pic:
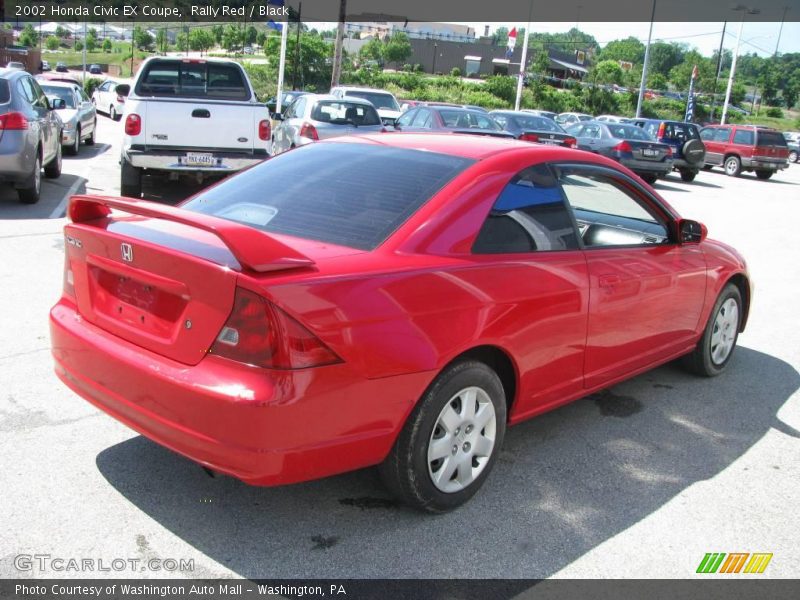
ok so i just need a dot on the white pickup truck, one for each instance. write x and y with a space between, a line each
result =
191 116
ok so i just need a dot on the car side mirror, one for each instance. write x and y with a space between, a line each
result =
691 232
57 103
278 116
123 89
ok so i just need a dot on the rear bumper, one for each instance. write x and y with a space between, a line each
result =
265 427
647 166
683 165
765 164
16 158
174 160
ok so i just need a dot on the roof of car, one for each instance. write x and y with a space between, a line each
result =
468 146
8 73
63 84
353 88
353 100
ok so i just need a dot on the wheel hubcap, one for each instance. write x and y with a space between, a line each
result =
723 336
462 440
731 166
37 176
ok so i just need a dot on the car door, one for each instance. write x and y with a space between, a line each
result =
716 141
281 136
590 137
52 122
646 291
39 113
527 259
85 110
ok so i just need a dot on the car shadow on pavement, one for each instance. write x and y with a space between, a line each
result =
53 191
563 484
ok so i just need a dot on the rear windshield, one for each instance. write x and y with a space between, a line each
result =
378 100
681 131
193 79
4 94
337 193
538 123
627 132
770 138
343 113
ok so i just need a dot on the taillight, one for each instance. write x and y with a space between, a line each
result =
309 131
662 131
264 129
259 333
133 124
13 121
669 151
623 146
570 142
529 137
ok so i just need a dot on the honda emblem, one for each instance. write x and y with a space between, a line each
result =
127 252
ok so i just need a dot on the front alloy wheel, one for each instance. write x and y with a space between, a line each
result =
715 348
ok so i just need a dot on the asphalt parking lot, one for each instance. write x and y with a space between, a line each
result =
639 481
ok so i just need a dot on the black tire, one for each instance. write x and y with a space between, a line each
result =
701 361
76 147
764 174
793 156
31 192
651 179
407 473
733 166
687 175
52 170
90 139
130 180
694 152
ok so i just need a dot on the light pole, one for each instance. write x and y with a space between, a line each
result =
433 66
644 66
719 70
745 11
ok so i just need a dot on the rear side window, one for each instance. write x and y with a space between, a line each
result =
529 215
743 136
338 193
681 132
343 112
193 79
722 134
770 138
5 94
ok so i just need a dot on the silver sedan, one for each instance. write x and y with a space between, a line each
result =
314 117
77 113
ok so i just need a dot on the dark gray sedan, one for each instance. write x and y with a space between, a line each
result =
313 117
447 118
30 135
628 145
533 128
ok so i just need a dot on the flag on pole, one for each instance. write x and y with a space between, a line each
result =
512 41
273 25
689 116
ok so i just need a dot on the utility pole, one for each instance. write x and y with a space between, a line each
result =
522 63
644 66
719 71
83 79
337 53
281 66
733 64
297 46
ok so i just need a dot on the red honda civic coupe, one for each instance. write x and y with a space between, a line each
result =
390 299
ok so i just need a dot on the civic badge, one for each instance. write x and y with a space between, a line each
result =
127 252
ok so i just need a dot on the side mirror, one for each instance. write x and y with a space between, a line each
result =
123 89
691 232
277 116
56 103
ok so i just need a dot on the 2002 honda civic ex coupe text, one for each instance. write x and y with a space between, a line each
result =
322 312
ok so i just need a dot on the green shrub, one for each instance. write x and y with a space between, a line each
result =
91 84
455 72
775 112
502 86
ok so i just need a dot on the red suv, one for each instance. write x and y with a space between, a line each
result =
745 148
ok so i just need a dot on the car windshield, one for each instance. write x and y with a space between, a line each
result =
337 193
64 93
378 99
193 79
628 132
344 113
537 123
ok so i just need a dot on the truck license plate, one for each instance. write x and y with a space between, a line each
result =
200 159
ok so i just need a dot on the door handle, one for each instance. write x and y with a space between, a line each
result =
609 281
201 113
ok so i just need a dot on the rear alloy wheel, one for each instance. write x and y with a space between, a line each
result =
451 440
687 175
31 192
112 112
733 166
76 146
52 170
90 139
761 174
715 348
793 156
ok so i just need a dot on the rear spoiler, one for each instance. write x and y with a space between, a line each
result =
254 249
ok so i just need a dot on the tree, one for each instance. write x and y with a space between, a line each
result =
231 38
607 71
142 38
314 71
218 31
656 81
28 37
201 39
182 41
261 38
372 50
91 40
398 49
107 45
663 57
51 43
738 92
251 35
61 32
78 45
629 50
161 40
500 36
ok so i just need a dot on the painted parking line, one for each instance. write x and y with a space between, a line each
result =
59 210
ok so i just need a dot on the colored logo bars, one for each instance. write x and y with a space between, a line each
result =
713 562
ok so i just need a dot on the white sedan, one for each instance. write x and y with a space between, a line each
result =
108 99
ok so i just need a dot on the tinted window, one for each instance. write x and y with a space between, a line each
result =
337 193
466 119
378 99
680 131
628 132
528 215
537 124
5 95
423 118
707 134
607 213
342 112
722 134
405 119
197 79
744 136
299 107
770 138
